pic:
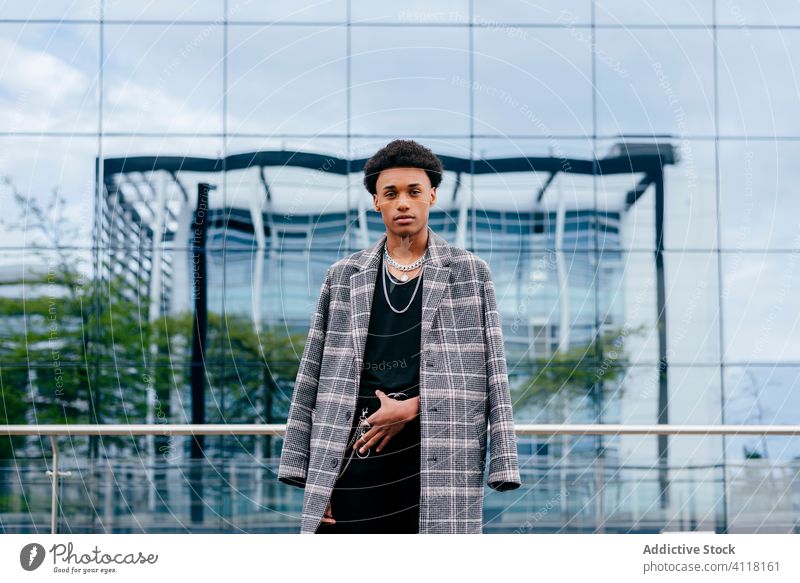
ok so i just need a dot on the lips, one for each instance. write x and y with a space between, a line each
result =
404 218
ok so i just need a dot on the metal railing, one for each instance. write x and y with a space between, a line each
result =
54 431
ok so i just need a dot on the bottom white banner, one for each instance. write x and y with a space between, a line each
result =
526 557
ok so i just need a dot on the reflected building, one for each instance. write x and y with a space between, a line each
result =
277 219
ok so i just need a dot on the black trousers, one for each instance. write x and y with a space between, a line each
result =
379 493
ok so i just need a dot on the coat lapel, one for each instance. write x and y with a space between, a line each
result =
362 288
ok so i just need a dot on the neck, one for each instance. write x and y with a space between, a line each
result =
407 248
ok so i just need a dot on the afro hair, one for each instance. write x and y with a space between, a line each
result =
402 154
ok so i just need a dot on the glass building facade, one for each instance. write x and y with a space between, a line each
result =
626 170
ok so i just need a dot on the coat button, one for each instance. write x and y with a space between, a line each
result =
432 459
429 363
334 463
433 409
347 415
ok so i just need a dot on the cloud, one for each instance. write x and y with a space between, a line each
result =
39 91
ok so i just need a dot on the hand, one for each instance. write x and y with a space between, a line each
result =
327 518
387 421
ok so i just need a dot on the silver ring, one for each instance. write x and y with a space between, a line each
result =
358 450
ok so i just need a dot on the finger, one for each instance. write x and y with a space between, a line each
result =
328 516
366 437
385 440
361 442
372 442
375 418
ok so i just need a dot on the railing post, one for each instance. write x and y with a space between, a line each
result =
108 503
234 490
599 502
54 487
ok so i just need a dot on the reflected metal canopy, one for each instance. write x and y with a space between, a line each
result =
623 157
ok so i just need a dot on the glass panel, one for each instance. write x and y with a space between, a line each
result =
694 399
492 12
49 80
48 187
757 194
762 395
760 307
299 184
692 287
692 307
655 81
169 11
661 13
287 80
287 12
552 98
565 150
52 9
546 299
629 306
404 80
690 198
517 193
161 145
130 317
247 146
413 12
141 173
758 12
635 223
762 471
44 295
753 66
175 85
365 147
289 291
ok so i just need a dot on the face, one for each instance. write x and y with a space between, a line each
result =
404 192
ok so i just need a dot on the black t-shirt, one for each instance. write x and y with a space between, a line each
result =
392 352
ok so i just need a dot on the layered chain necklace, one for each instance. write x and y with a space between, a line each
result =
400 266
404 268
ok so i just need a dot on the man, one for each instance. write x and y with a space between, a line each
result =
403 366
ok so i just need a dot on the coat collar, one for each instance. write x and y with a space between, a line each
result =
362 287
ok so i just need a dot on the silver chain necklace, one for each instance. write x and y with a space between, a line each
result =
413 295
400 266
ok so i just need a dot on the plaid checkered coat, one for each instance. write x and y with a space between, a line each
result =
463 384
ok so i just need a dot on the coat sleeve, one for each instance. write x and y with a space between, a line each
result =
293 464
503 463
